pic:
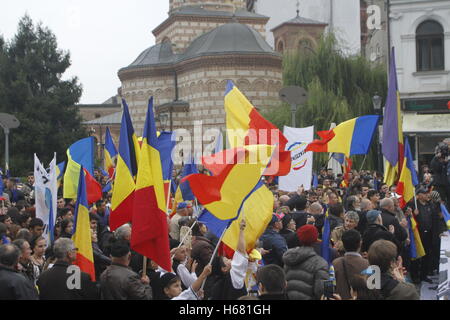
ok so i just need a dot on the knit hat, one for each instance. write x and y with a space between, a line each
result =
372 216
307 234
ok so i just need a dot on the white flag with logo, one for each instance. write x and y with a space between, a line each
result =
301 164
46 191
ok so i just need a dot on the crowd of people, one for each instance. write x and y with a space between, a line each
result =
367 228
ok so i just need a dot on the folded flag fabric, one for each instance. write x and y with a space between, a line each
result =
392 144
110 153
351 137
446 215
416 249
122 201
82 237
60 172
223 195
81 154
408 178
326 237
246 126
257 211
166 144
149 234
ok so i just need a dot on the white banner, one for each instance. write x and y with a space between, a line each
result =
46 193
302 162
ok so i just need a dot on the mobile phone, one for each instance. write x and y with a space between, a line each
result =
328 289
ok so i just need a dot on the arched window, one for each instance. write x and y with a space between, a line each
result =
430 46
280 47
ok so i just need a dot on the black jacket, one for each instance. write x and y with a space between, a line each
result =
273 241
119 282
14 286
52 285
439 172
290 237
389 218
300 218
376 232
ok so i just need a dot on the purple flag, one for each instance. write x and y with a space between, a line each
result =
390 122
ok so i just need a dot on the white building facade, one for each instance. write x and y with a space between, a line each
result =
420 34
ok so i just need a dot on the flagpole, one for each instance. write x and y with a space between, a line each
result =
362 165
168 197
144 267
214 253
185 237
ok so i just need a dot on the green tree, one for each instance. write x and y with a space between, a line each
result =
31 88
339 88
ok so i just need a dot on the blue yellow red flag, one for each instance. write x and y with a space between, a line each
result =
149 234
122 201
408 178
351 137
110 153
82 237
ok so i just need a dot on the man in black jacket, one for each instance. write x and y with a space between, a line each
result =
274 242
376 231
119 282
388 214
439 167
13 285
62 283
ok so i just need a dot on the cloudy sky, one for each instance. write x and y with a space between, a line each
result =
102 36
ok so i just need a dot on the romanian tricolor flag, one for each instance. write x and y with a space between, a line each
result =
408 178
392 144
82 237
149 235
326 237
110 152
166 145
122 201
416 249
445 215
246 126
60 172
223 195
81 154
257 210
347 168
350 137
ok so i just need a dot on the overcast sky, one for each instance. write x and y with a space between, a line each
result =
101 35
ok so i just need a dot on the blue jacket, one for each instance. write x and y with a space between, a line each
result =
276 243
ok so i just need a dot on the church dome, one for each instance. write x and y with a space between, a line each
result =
230 38
159 54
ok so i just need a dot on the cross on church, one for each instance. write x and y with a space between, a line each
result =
298 8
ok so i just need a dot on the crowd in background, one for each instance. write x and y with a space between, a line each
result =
367 227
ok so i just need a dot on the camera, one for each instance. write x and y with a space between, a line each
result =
442 150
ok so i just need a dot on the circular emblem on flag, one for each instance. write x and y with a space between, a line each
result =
297 150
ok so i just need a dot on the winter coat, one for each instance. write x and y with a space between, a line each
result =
390 218
52 285
305 273
354 265
14 286
376 232
392 289
119 282
439 173
273 241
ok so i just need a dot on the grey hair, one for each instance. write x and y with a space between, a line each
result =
386 202
352 215
62 247
9 255
123 231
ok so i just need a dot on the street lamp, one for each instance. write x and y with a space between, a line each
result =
163 119
295 96
7 122
377 101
